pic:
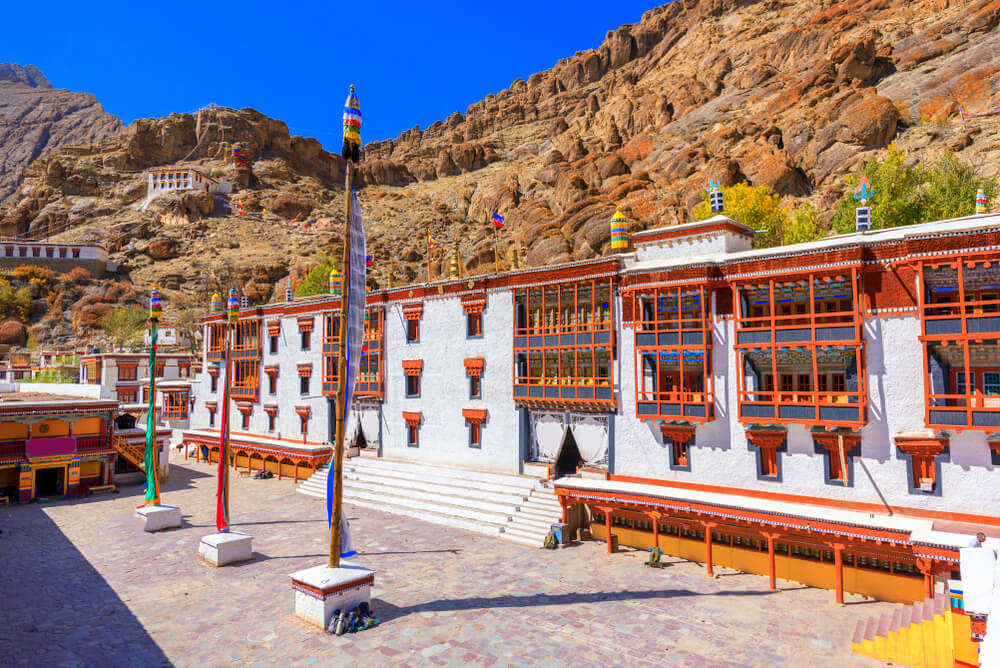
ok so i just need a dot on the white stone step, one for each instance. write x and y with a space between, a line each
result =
426 516
520 540
445 488
536 511
453 477
449 473
486 503
546 508
538 537
494 517
533 523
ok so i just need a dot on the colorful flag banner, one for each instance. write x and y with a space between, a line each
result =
352 128
497 221
356 278
430 239
152 484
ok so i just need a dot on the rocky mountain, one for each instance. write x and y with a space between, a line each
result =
793 94
37 119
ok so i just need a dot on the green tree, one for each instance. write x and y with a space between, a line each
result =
124 324
189 308
897 198
755 206
951 189
317 281
14 303
804 225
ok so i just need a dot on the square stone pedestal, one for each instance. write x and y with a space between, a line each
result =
219 549
160 517
321 590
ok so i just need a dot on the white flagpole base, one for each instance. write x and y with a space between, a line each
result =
220 549
320 591
158 518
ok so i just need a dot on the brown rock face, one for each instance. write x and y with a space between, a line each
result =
37 119
12 333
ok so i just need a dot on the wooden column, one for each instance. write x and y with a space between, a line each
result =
607 527
656 530
708 547
296 473
770 559
926 567
838 565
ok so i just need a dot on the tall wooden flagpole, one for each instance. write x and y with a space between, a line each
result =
338 452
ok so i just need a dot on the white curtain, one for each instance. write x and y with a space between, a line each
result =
591 436
369 425
547 431
351 428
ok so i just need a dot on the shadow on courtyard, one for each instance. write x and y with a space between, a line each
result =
56 608
386 611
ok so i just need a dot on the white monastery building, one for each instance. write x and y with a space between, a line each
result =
827 412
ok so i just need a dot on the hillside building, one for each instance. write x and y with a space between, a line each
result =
822 412
159 181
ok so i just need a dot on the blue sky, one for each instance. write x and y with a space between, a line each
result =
413 63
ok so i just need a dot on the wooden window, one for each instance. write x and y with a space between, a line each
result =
127 373
158 369
215 383
306 339
270 421
412 435
273 344
473 325
303 385
786 382
272 384
211 418
769 462
474 435
76 253
245 423
413 386
412 331
475 387
679 453
837 382
805 382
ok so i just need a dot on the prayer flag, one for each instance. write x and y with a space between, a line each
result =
497 221
368 261
356 275
430 239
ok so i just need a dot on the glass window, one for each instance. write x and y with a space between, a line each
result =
304 385
412 331
991 382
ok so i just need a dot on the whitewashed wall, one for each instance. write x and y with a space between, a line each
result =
444 390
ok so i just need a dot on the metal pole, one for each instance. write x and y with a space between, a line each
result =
338 452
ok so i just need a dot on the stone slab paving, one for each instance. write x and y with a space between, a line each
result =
85 585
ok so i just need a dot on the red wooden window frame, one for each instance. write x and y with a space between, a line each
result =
564 344
371 371
128 372
175 404
246 366
966 323
775 325
669 395
412 420
215 350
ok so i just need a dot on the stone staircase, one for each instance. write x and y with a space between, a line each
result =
517 508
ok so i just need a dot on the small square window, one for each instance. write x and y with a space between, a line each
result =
473 325
413 386
306 339
76 253
991 382
304 385
412 435
412 331
475 388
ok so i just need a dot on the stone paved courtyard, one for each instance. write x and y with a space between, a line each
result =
84 585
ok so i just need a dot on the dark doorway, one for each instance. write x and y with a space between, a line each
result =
360 441
49 482
569 459
125 421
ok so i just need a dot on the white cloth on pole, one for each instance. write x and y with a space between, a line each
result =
356 274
